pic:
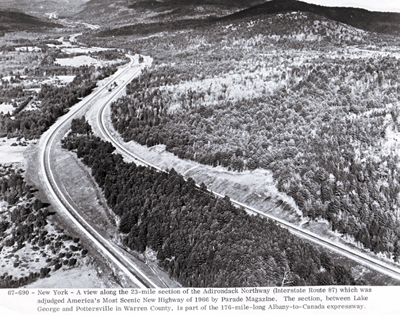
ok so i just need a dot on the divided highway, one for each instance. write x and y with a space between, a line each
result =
355 255
109 250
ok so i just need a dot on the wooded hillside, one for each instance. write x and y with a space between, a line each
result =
293 100
201 240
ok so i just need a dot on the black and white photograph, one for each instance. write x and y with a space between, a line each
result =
214 144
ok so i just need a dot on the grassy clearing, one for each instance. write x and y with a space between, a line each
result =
6 108
12 151
80 61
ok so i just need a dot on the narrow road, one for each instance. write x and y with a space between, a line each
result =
357 256
113 253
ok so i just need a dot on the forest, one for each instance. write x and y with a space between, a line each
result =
200 240
24 224
325 124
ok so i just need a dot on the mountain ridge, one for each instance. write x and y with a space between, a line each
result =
18 21
380 22
44 8
123 12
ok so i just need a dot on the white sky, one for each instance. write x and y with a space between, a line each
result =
372 5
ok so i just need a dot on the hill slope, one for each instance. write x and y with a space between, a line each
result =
380 22
17 21
122 12
163 18
44 8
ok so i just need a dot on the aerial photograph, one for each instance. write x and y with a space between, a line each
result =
199 143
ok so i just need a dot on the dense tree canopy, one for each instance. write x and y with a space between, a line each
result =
200 240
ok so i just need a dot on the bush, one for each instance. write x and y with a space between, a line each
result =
74 248
44 272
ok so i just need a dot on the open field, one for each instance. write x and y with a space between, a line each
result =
11 152
79 61
6 108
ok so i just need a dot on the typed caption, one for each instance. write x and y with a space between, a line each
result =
191 300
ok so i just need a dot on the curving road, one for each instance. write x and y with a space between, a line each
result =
109 250
357 256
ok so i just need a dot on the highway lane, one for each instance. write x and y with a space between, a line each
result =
109 137
109 250
355 255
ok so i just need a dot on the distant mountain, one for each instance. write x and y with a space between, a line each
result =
380 22
44 8
127 12
229 4
17 21
117 13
